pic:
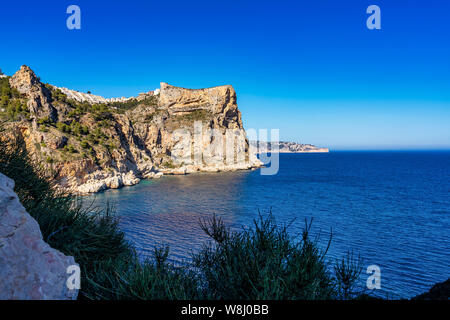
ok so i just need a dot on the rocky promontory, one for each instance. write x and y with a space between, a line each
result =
88 143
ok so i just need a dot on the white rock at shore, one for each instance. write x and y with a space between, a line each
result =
100 181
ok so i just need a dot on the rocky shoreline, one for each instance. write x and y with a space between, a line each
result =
100 182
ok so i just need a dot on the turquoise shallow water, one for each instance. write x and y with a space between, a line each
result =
392 208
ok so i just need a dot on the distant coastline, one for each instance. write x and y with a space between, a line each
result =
286 147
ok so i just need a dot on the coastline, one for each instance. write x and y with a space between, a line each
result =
286 147
326 150
130 179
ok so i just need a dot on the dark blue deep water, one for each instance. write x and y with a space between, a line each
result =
392 208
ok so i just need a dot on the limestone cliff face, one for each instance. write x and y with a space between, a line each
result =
90 147
26 82
220 101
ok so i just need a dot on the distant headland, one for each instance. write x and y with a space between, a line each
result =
286 147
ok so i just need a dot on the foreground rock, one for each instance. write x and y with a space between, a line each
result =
29 267
88 143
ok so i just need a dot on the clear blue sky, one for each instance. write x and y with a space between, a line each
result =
310 68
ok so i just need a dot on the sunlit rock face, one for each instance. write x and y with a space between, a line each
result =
27 83
29 267
89 143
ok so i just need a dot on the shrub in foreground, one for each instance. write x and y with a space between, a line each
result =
265 263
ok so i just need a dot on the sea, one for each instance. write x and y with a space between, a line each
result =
390 208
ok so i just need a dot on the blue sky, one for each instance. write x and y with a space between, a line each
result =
310 68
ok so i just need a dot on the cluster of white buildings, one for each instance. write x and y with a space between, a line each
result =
91 98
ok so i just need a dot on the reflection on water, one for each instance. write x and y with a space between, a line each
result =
168 211
391 208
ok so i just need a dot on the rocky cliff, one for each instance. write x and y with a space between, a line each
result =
89 144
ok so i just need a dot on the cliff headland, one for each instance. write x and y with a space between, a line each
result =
88 143
286 147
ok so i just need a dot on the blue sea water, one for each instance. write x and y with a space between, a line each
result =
391 208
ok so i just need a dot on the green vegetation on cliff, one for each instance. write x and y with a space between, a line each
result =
133 103
88 127
12 106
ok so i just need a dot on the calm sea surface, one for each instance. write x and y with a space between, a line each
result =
392 208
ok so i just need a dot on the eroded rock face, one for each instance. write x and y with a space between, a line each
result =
220 101
119 147
55 142
26 82
29 267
